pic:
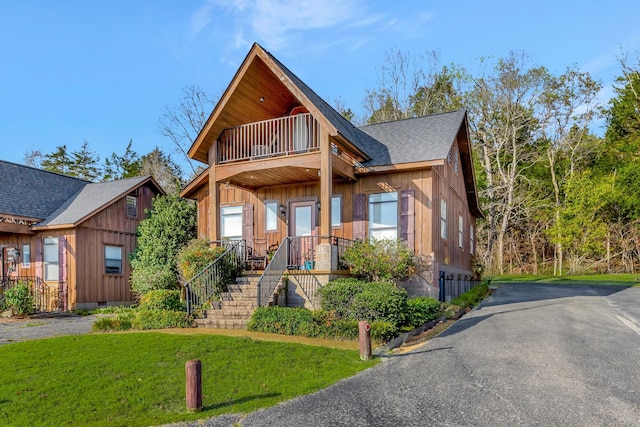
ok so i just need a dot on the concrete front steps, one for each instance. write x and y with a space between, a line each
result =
237 306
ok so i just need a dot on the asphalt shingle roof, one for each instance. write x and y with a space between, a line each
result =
401 141
34 193
53 198
412 140
92 197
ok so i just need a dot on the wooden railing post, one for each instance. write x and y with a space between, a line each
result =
194 385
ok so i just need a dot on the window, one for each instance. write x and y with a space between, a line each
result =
443 218
460 231
231 222
271 216
113 259
383 216
132 207
471 239
336 211
51 263
26 255
456 162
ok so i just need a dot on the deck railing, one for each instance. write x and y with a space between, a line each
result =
269 138
46 297
206 286
272 274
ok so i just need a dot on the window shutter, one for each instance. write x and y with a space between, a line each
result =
359 217
247 224
62 271
38 250
407 217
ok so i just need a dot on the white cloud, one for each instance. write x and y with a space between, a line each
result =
276 23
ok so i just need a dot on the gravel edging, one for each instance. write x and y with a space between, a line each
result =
38 327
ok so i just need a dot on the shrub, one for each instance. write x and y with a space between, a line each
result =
161 319
19 299
279 320
120 322
314 324
380 260
162 299
153 277
422 310
337 296
380 301
195 256
472 297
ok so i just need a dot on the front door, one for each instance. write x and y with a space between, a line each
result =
302 230
9 262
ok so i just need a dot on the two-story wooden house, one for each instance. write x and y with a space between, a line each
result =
284 166
70 239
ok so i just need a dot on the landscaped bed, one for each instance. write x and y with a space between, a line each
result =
138 379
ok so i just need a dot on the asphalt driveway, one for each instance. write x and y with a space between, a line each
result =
544 355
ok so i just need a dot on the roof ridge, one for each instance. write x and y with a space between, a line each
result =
413 118
45 171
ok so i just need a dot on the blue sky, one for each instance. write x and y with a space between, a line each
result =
102 71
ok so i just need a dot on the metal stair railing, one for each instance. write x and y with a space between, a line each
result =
273 273
209 283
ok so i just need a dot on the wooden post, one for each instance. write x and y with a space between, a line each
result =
364 336
194 385
326 186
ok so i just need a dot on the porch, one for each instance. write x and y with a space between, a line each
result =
246 277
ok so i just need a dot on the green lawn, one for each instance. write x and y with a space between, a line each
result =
138 379
593 279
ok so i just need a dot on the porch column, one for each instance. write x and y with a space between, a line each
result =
326 190
214 194
324 252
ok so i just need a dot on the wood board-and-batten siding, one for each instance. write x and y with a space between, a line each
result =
441 181
87 282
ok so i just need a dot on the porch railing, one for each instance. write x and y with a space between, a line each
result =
206 286
269 138
46 298
272 274
296 253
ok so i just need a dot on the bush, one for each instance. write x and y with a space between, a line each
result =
279 320
195 256
380 301
161 319
19 299
120 322
380 260
337 296
153 277
422 310
162 299
472 297
314 324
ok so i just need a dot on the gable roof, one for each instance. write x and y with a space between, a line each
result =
413 140
33 193
90 199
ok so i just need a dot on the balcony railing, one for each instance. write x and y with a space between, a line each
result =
270 138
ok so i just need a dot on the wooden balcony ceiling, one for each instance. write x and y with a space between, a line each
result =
241 104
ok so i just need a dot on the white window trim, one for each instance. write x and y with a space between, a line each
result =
460 231
222 215
47 263
339 198
105 260
266 215
131 209
26 256
471 240
443 218
371 228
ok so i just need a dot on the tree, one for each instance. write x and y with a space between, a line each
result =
58 161
502 122
127 165
182 123
170 225
413 87
163 169
85 163
33 158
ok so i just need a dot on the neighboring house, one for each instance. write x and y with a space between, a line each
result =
68 238
284 166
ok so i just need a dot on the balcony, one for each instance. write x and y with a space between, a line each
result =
283 136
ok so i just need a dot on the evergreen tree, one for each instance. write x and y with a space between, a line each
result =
58 161
85 163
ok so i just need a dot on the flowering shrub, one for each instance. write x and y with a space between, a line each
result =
384 260
195 256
